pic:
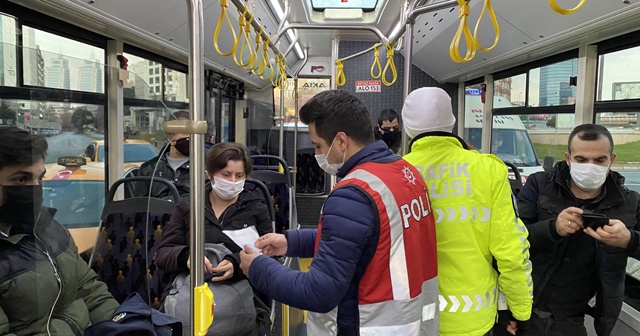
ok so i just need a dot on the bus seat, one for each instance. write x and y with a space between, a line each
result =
252 184
309 176
129 234
516 182
280 187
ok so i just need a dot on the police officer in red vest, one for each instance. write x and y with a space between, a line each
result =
374 253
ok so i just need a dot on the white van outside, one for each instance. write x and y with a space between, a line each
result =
509 141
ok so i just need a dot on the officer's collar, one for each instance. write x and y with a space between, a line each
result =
439 134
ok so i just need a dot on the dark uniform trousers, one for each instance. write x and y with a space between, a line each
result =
543 324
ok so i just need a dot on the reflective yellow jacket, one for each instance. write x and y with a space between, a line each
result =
475 223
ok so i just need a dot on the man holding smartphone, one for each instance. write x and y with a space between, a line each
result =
579 268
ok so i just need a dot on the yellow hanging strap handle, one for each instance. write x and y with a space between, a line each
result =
260 67
340 78
252 51
280 80
256 51
488 8
564 11
268 64
224 15
390 65
376 62
238 43
283 79
275 77
264 59
244 40
463 29
251 63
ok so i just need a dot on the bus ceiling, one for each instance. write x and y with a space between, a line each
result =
530 30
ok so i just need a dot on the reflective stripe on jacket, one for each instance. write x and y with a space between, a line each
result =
397 293
476 223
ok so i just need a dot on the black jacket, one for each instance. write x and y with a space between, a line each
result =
179 178
544 196
393 144
249 209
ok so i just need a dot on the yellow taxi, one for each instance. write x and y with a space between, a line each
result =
135 151
75 188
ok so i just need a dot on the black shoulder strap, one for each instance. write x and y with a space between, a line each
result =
263 315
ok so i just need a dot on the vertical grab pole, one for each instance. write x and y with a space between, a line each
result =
296 111
335 53
487 115
281 118
196 167
406 85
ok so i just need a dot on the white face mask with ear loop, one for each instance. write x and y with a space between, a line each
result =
588 176
227 189
331 169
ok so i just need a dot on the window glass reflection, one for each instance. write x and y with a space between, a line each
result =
550 85
8 60
512 89
141 80
618 77
175 85
57 62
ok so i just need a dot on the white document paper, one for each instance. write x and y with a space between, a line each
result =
246 236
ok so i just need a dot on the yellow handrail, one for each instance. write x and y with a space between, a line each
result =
564 11
488 8
376 62
463 29
224 15
340 78
390 65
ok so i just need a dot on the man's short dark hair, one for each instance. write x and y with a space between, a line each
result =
590 132
19 147
336 111
387 115
181 114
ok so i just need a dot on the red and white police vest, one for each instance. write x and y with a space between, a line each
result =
398 292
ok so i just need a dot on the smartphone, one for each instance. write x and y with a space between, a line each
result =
594 220
209 276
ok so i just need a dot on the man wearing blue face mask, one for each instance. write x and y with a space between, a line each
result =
579 270
45 287
374 252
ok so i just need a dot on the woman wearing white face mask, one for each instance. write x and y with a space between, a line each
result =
231 214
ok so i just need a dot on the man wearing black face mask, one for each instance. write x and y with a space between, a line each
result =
171 164
45 287
388 130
